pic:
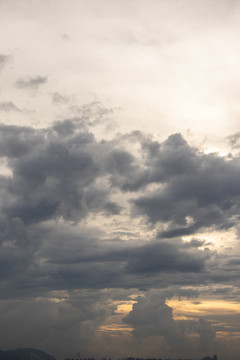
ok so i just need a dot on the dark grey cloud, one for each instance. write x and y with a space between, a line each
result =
17 141
64 173
31 82
166 257
64 259
123 169
53 173
197 191
85 262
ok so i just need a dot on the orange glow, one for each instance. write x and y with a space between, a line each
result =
186 308
115 327
124 308
115 324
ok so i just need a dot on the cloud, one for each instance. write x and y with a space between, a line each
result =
93 113
193 186
52 173
8 106
151 316
234 140
90 221
66 37
77 265
17 141
59 99
4 59
71 216
123 169
31 82
63 173
165 257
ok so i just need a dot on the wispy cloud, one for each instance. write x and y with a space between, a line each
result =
4 59
8 106
31 82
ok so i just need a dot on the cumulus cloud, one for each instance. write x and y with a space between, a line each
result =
196 186
52 173
64 173
151 316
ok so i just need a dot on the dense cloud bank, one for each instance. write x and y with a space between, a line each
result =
64 193
64 171
63 174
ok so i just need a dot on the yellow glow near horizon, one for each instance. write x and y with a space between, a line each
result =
115 327
186 308
183 309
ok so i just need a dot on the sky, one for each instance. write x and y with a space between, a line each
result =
119 177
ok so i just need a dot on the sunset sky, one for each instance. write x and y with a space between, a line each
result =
120 177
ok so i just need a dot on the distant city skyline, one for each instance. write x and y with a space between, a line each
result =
36 354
